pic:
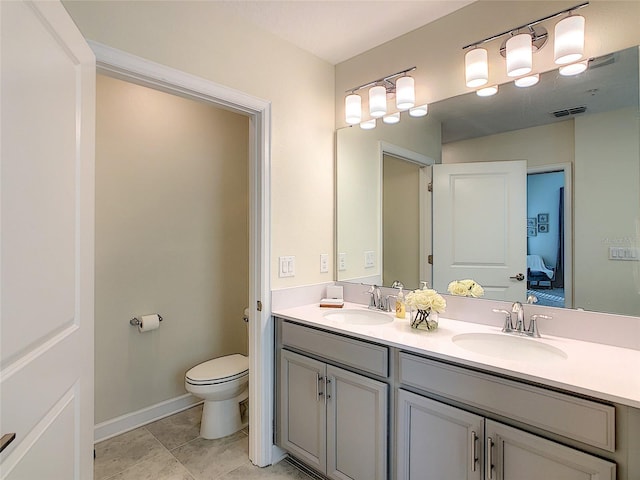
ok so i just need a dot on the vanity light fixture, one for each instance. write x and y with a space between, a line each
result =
487 91
525 40
573 68
519 55
569 40
405 93
527 81
368 125
377 101
353 109
392 118
419 111
398 85
476 67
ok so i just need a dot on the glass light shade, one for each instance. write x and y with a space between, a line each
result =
569 40
527 81
353 109
369 124
377 101
419 111
391 119
487 91
519 55
476 67
573 68
405 93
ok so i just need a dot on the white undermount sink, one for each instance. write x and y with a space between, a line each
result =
359 317
508 347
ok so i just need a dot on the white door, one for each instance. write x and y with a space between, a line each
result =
46 256
479 226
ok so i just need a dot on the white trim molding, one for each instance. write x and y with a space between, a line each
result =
133 420
138 70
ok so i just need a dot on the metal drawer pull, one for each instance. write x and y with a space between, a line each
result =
474 451
319 393
518 276
489 469
6 439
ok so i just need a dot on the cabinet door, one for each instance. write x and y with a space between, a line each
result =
302 408
436 441
356 426
516 455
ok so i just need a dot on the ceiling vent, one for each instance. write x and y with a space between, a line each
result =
569 111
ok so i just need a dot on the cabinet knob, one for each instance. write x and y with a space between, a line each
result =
519 277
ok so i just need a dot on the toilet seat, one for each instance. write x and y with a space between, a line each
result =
219 370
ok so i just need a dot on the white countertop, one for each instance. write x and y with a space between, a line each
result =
599 371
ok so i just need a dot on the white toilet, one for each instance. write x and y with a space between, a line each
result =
223 383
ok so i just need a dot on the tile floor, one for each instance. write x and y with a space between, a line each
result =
170 449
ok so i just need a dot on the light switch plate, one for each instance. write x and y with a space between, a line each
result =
369 259
324 262
342 262
287 266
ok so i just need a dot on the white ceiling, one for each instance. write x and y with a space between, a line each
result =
336 30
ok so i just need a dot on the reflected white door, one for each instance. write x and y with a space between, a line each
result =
47 194
479 226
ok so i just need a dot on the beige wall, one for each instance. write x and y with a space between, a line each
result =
358 183
436 48
606 198
196 37
171 238
543 145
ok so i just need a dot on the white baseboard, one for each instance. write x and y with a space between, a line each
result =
130 421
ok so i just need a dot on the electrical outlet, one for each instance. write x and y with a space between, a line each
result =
342 262
324 262
369 259
287 266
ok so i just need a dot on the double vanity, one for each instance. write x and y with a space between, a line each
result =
361 395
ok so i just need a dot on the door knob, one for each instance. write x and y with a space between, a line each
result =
6 439
518 277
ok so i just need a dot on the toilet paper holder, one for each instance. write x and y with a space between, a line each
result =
135 321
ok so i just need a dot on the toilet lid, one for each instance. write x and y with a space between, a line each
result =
221 369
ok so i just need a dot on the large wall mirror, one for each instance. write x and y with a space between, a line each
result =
579 138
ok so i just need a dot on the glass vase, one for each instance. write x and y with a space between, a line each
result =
424 320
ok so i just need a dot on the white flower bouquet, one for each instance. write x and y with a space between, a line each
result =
426 299
465 288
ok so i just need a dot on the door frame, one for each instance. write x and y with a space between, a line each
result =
568 224
386 148
134 69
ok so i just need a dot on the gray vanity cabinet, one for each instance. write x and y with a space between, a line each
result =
512 454
332 419
437 441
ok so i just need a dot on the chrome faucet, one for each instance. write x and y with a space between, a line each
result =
519 329
376 300
519 311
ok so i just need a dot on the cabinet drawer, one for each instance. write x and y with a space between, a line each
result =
364 356
583 420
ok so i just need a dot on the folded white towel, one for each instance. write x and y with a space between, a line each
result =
536 264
